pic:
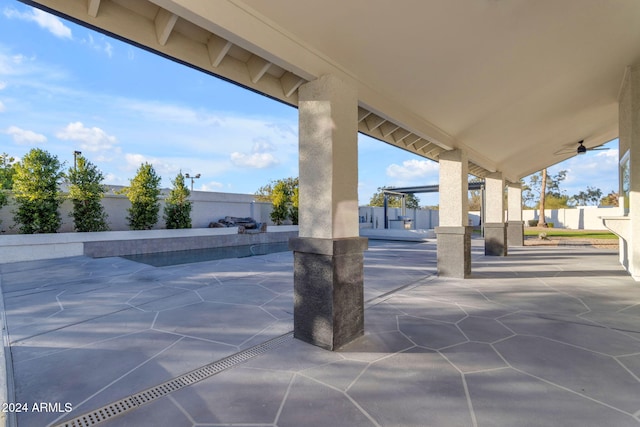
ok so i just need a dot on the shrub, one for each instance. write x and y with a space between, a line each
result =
177 209
280 198
143 194
85 192
35 190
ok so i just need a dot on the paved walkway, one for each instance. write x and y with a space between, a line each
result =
549 336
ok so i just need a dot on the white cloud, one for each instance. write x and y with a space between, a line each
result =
22 136
171 113
45 20
101 45
2 107
254 160
162 167
91 139
262 146
3 85
212 186
412 169
11 64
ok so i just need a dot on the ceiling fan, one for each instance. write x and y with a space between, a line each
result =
568 149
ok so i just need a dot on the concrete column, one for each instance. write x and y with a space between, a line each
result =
629 137
515 224
454 234
495 231
328 254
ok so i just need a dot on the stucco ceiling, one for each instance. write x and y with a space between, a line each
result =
511 81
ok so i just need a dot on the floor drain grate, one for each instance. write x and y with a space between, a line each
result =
131 402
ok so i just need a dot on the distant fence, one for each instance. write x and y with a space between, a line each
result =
580 218
211 206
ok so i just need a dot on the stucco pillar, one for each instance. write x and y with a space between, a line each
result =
629 137
328 254
515 224
495 230
454 233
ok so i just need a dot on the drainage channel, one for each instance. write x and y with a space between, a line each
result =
136 400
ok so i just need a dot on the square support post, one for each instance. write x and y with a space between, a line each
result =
515 224
328 254
453 234
629 152
495 231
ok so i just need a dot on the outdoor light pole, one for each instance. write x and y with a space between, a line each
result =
76 153
192 178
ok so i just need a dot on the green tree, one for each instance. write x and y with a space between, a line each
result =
553 202
475 200
284 196
611 199
143 193
295 203
541 188
281 200
177 209
35 190
6 178
85 192
412 202
586 198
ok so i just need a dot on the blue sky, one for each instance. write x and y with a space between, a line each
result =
64 87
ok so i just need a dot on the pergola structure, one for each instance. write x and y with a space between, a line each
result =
492 88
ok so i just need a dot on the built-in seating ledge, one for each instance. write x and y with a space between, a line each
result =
619 225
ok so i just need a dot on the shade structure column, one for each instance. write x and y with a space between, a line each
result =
515 224
495 230
328 254
628 228
454 233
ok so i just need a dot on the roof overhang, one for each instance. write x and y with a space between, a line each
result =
511 82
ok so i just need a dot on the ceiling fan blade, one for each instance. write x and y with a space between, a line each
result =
598 149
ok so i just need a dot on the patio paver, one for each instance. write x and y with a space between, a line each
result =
545 336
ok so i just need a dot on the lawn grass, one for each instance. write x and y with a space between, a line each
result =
578 234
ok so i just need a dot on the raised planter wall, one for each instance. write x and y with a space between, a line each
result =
16 248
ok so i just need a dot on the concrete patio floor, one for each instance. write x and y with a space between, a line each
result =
548 336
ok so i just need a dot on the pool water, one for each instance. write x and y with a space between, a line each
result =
164 259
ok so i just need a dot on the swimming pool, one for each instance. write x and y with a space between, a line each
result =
165 259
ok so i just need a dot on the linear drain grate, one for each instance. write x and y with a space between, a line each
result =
131 402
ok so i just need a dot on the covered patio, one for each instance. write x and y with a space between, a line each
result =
462 332
546 336
495 89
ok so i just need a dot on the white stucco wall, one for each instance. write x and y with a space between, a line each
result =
207 207
582 218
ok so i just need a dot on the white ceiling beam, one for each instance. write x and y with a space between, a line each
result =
257 67
363 114
421 144
164 23
218 48
290 83
387 128
92 7
410 140
400 134
374 122
433 151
